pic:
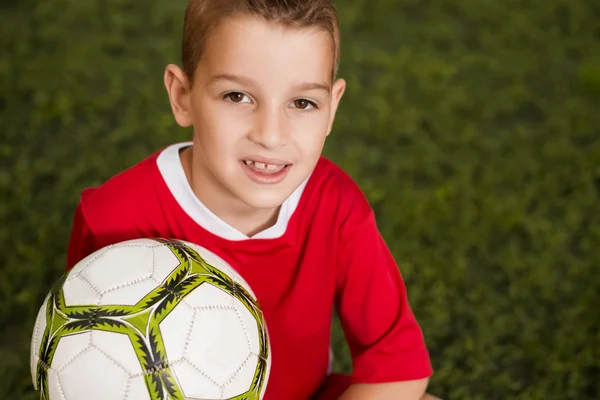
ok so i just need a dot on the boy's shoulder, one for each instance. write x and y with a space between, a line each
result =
333 177
338 189
129 193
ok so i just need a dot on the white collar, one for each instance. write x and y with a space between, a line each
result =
169 165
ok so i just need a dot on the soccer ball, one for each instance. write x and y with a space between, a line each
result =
150 319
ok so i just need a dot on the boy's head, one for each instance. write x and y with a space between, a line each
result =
258 86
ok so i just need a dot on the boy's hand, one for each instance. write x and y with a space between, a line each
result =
409 390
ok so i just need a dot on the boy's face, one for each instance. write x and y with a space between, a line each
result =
262 104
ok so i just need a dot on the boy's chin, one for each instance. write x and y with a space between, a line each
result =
266 200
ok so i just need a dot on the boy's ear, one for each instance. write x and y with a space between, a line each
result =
337 91
178 89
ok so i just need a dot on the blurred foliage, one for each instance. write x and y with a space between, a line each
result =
471 125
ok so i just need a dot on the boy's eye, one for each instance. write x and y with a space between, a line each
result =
304 104
237 97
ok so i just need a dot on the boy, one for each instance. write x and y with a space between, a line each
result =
258 87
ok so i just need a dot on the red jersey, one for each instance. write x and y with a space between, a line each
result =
330 253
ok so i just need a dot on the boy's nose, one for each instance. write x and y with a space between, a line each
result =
270 129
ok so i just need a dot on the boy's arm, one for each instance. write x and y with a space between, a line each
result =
387 346
408 390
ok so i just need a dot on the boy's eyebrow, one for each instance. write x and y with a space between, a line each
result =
315 86
249 82
233 78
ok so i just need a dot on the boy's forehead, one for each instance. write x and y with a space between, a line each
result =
264 50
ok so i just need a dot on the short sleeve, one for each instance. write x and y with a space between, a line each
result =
385 340
82 241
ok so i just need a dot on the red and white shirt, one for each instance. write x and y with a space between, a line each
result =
324 250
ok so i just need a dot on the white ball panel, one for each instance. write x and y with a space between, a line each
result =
93 376
120 265
250 326
79 292
195 384
207 295
175 330
85 262
242 380
128 295
137 390
218 345
119 348
36 340
54 389
69 347
165 262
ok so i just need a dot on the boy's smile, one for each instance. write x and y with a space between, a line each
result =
266 170
261 103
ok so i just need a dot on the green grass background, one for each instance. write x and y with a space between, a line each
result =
473 127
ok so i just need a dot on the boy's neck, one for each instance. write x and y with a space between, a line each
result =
240 216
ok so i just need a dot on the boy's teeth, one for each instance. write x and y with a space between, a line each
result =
260 165
263 166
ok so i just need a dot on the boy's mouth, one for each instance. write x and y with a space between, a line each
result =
265 168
